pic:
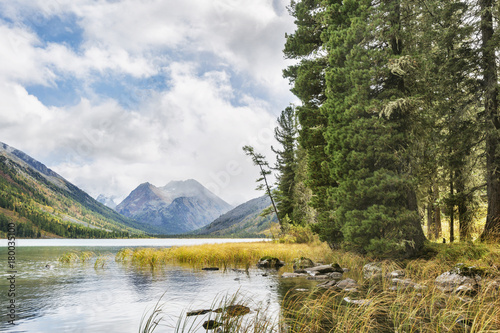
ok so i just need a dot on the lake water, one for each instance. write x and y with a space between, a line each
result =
81 298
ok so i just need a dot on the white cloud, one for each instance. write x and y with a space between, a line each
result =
193 128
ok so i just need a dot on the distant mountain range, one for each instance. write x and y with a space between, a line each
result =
176 208
46 205
242 221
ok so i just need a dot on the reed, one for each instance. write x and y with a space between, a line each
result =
72 257
425 310
223 255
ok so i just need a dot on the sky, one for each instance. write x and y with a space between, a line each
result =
112 94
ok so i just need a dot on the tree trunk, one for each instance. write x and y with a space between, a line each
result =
492 227
451 207
437 213
464 215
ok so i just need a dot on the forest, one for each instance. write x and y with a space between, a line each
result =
397 129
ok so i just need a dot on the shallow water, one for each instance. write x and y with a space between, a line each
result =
81 298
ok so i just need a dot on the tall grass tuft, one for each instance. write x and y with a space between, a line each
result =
73 257
424 310
257 320
223 255
149 322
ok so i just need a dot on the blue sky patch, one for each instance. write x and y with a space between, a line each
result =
65 93
56 29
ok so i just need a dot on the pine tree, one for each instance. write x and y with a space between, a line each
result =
286 162
260 161
308 80
368 132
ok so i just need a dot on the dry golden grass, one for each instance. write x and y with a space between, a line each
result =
224 255
410 311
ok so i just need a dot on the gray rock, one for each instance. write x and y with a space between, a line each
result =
347 285
293 275
301 263
466 290
318 277
372 271
396 274
358 302
334 276
403 284
450 281
327 284
323 269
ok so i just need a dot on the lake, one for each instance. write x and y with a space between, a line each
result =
81 298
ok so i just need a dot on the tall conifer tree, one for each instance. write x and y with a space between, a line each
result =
368 132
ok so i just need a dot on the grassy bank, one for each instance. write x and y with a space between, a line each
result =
384 310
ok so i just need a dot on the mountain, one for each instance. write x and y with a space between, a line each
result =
46 205
106 201
176 208
242 221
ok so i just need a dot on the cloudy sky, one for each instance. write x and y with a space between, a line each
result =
111 94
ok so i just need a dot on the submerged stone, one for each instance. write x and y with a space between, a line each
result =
197 312
211 324
234 310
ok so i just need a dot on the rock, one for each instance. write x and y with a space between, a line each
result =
372 271
403 283
323 269
302 262
197 312
345 270
318 277
211 324
347 285
328 284
210 269
469 271
270 262
334 276
466 290
458 276
234 310
336 268
396 274
293 275
358 302
493 285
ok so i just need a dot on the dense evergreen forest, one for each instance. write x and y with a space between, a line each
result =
398 125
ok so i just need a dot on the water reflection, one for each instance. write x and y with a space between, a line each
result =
81 298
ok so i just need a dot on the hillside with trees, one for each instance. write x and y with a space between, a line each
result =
43 204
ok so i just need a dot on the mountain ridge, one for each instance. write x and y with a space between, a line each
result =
242 221
176 208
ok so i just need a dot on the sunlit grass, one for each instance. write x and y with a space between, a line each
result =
224 255
324 310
